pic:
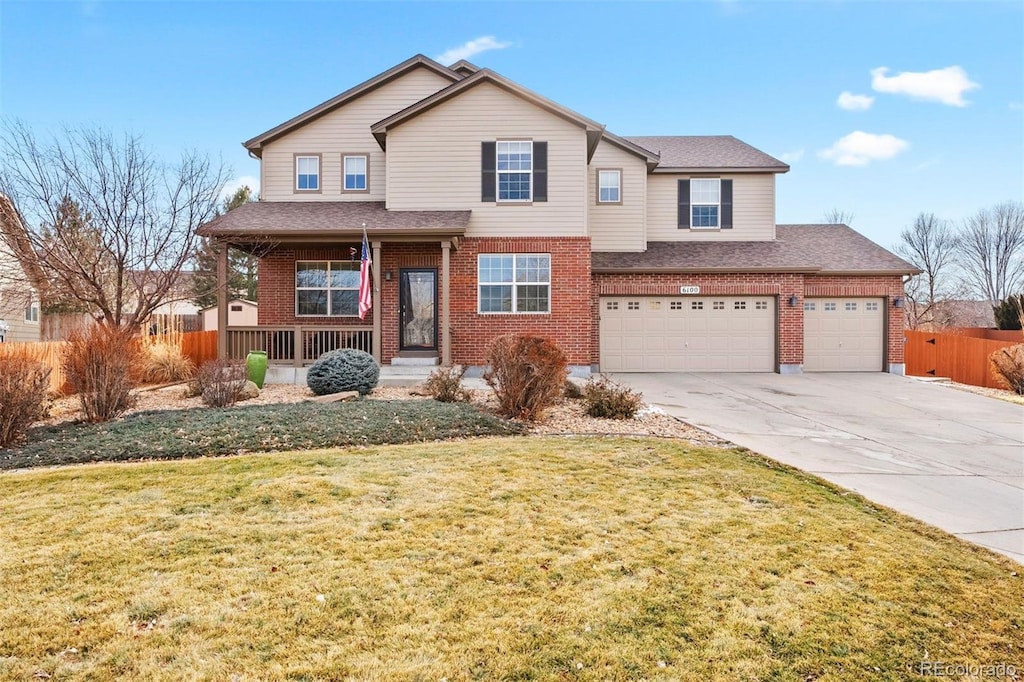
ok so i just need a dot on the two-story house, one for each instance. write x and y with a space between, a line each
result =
492 209
19 301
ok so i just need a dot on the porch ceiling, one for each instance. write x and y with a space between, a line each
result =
278 221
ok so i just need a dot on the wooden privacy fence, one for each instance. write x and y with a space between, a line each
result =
199 346
960 357
49 353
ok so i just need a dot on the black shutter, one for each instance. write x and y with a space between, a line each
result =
540 171
488 174
684 204
726 204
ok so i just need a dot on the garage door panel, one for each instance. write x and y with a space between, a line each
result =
843 334
708 333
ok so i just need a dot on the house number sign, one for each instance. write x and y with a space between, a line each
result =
689 290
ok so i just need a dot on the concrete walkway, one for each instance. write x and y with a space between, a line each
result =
945 456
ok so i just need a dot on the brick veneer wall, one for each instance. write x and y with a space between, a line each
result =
569 322
782 285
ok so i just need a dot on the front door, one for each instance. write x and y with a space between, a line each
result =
417 313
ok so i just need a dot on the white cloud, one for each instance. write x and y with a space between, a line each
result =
860 148
1016 106
852 102
473 47
233 185
791 157
946 85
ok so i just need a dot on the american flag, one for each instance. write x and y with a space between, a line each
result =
365 290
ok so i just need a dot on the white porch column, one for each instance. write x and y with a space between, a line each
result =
377 301
446 332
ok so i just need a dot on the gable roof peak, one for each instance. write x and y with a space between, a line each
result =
255 145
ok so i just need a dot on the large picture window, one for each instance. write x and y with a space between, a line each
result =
515 171
327 288
705 200
514 283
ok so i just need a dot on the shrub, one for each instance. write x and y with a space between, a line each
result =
24 395
1009 313
527 374
1008 367
99 363
572 390
346 369
445 385
163 363
220 381
606 399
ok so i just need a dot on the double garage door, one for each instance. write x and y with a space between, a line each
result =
687 334
736 334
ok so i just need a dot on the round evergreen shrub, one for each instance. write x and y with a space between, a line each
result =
343 370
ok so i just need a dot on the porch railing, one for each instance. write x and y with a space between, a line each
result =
296 345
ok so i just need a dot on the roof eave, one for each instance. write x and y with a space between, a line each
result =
332 234
702 270
255 144
721 169
885 272
649 157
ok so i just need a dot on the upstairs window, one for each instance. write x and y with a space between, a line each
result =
32 312
609 187
307 173
705 202
356 169
515 171
514 283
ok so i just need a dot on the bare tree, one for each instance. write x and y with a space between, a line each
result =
101 221
835 216
930 244
991 246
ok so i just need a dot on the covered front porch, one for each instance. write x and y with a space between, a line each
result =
309 255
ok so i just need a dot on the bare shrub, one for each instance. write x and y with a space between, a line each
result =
24 395
572 390
445 385
220 381
606 399
100 364
1008 367
527 374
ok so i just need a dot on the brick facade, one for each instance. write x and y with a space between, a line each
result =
575 294
781 285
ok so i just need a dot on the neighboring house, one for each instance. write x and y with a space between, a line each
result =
241 313
492 209
19 303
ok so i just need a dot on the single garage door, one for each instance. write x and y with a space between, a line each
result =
843 334
687 334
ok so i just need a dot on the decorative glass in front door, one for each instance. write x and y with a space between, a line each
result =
418 309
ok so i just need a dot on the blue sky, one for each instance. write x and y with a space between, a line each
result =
932 118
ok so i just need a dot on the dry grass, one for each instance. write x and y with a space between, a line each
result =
544 558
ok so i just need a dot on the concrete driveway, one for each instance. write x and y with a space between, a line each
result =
947 457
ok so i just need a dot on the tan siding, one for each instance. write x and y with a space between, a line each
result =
343 130
12 310
617 227
753 199
434 163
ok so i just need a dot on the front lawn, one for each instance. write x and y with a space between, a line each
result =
540 558
201 432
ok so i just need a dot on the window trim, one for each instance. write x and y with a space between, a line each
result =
355 155
319 173
497 173
328 288
618 172
32 312
717 204
515 285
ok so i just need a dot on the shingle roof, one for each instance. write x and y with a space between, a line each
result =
327 218
797 248
706 151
